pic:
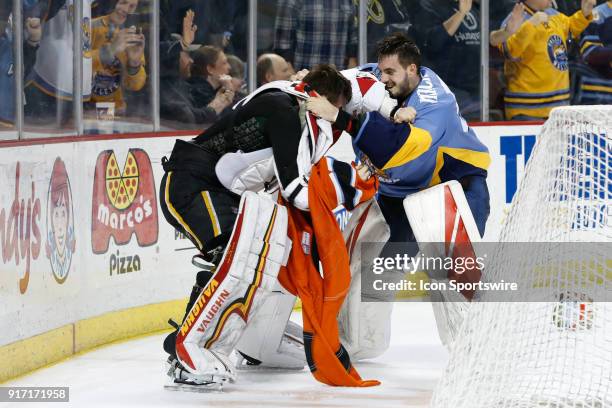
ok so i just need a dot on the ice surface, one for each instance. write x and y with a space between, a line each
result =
131 374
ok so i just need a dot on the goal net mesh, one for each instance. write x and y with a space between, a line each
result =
556 351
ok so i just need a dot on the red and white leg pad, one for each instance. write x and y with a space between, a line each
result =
246 275
444 226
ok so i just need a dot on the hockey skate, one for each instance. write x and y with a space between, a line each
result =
180 379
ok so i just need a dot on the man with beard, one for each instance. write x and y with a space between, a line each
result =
426 143
429 143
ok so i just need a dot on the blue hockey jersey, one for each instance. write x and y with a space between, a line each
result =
438 147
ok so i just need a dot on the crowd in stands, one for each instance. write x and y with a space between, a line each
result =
543 53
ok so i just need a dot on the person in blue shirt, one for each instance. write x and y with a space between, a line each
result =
32 33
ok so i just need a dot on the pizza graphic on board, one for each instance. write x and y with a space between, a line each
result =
121 186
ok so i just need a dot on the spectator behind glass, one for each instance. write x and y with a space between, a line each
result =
595 85
178 109
7 72
120 49
210 82
449 32
312 32
387 17
237 72
272 67
49 87
222 23
32 36
533 41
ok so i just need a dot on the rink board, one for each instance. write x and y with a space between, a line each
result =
77 250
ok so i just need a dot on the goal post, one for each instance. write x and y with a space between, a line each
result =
554 353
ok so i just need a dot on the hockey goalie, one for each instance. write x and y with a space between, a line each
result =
258 254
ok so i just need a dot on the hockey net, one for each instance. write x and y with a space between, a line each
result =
550 353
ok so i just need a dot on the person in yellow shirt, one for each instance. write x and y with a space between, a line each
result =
533 40
120 48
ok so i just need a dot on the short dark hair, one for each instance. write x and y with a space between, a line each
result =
401 45
328 81
264 65
203 57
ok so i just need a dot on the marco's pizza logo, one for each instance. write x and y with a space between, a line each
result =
124 201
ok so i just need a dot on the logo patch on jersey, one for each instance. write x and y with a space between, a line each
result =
306 242
342 216
469 21
106 84
11 70
557 52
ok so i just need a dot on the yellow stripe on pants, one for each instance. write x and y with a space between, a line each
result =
211 213
175 214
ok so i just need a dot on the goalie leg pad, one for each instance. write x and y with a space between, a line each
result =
444 225
246 275
365 327
270 337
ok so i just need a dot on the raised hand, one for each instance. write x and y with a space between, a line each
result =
125 38
34 30
189 29
516 18
465 6
587 7
135 48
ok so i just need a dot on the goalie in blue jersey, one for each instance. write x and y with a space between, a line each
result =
425 143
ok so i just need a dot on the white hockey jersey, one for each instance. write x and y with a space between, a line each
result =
53 70
240 172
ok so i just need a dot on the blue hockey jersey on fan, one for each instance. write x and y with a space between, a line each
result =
7 79
438 147
596 50
7 69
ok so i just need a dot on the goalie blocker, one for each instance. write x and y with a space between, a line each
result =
246 276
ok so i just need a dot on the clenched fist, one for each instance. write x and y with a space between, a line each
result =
363 171
405 115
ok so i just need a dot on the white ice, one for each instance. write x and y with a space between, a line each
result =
131 374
